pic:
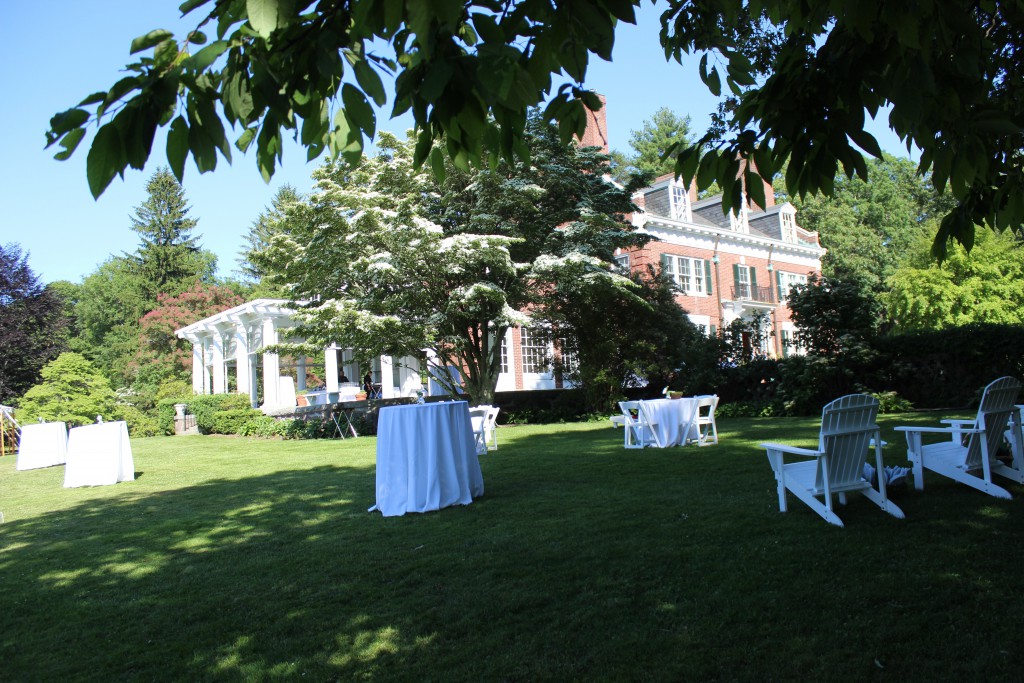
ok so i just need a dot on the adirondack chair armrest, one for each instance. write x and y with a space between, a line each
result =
938 430
959 424
792 450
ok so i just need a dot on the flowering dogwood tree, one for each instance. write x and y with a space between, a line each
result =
390 260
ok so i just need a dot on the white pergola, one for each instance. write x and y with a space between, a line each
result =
235 339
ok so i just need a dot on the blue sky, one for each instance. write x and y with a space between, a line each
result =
55 52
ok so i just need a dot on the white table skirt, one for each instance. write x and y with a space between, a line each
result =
426 458
673 419
99 455
42 445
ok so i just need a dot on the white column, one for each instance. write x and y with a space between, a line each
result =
198 367
387 380
271 366
242 359
300 373
219 385
409 376
331 367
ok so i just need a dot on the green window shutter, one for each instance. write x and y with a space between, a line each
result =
707 276
736 276
753 280
778 279
666 264
713 332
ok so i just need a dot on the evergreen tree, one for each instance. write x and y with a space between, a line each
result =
170 259
269 223
658 133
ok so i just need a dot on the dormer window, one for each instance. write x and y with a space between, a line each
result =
738 222
679 202
787 224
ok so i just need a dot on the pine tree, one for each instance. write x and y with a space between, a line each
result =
170 259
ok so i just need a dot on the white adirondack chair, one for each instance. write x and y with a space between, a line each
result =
639 432
969 456
707 430
837 466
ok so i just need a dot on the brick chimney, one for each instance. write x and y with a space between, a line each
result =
596 134
769 191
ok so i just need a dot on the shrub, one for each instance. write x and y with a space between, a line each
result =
891 402
206 408
140 423
165 415
263 426
228 421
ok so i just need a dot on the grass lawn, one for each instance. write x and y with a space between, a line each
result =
237 559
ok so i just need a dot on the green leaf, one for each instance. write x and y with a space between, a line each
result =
424 143
105 159
267 15
437 164
190 5
152 38
370 82
177 146
714 83
358 109
245 139
69 142
201 60
867 142
197 38
65 121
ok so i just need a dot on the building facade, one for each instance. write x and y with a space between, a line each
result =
726 267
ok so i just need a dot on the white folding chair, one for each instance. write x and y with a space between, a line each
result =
491 428
478 419
640 431
707 430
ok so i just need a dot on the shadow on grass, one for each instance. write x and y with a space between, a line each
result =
582 561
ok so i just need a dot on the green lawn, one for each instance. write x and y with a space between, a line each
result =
236 559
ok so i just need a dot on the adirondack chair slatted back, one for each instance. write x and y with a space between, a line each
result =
847 427
997 402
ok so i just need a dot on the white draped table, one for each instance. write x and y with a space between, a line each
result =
673 419
99 455
426 458
42 445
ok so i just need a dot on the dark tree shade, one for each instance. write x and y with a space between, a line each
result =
31 321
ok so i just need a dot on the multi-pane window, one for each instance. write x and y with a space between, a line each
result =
504 355
535 350
679 202
622 261
743 282
689 274
788 225
787 280
570 361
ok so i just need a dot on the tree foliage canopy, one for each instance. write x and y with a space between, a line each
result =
983 286
396 261
31 323
806 78
72 390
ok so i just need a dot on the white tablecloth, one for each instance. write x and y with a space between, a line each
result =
42 445
426 458
98 455
319 398
673 419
